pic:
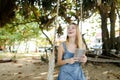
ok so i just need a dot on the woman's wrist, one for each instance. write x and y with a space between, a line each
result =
66 61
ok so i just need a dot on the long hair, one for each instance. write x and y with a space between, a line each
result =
78 40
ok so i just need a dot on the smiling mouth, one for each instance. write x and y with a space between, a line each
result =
70 32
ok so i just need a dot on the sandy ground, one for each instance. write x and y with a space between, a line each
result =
33 69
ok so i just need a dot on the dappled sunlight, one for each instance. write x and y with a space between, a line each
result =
44 73
6 55
29 68
55 75
39 77
19 64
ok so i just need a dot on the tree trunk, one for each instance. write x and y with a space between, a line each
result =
103 9
117 39
112 27
105 36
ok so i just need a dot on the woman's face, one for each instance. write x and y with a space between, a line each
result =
71 30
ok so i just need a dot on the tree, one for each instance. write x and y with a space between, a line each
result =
18 30
107 10
44 13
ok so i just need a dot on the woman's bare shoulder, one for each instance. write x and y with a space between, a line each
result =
60 47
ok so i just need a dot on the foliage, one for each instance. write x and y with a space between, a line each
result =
42 13
45 10
7 11
18 30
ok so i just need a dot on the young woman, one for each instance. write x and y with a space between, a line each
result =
69 64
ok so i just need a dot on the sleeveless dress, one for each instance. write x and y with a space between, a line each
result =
70 71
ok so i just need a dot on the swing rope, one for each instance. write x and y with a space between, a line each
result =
80 23
52 56
81 15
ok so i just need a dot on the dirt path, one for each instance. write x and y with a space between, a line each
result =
32 69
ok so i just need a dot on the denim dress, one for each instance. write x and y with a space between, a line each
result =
70 71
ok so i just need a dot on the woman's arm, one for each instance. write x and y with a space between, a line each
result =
60 54
83 58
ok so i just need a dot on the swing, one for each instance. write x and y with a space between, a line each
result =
52 56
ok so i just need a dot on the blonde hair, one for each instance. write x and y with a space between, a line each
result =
78 40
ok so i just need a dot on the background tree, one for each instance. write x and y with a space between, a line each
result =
44 12
107 10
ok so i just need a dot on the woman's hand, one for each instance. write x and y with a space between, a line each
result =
71 60
83 58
